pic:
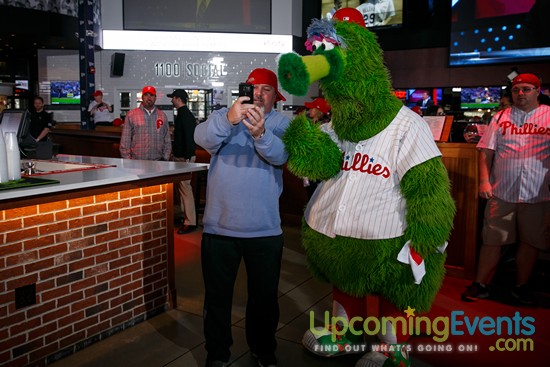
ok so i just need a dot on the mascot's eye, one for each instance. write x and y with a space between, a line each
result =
328 45
316 44
323 45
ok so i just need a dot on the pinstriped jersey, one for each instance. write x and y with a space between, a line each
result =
521 165
364 199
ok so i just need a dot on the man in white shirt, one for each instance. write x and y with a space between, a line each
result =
513 176
100 110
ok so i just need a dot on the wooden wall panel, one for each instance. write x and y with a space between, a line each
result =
461 162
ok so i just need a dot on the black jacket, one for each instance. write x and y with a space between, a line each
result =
184 130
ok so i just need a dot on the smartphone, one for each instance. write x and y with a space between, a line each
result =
246 90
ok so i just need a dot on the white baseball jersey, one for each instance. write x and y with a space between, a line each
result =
521 164
364 199
375 12
102 114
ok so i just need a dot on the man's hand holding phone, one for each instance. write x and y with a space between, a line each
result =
255 122
238 111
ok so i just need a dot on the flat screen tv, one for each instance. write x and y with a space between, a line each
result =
376 13
415 95
480 97
22 84
234 16
485 32
65 92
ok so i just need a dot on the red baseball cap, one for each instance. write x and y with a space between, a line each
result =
319 103
149 89
350 15
98 93
527 78
265 76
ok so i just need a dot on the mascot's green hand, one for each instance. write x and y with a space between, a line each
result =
311 152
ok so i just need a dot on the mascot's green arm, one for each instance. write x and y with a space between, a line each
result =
311 152
430 207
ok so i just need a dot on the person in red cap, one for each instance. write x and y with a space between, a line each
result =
319 110
100 110
319 113
513 176
241 218
145 133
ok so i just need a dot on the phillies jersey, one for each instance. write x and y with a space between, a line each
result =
521 144
364 199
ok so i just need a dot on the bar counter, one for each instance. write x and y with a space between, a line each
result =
118 171
86 257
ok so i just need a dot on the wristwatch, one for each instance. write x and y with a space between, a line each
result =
261 135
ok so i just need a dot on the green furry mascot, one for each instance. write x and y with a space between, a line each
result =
379 221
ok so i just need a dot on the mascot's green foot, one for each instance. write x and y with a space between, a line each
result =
321 343
397 355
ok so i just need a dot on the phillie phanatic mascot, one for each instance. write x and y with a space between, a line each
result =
379 221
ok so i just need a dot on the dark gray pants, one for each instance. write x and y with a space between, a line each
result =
221 257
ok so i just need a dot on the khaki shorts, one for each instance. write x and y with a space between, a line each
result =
507 223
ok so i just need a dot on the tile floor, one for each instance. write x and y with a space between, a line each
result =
175 338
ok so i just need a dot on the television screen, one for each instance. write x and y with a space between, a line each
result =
480 97
22 84
237 16
415 95
376 13
65 92
498 31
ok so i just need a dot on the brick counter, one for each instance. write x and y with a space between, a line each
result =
78 265
98 265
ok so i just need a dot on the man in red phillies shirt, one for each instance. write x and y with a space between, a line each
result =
145 133
514 158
